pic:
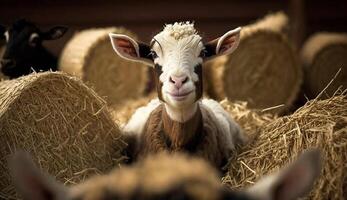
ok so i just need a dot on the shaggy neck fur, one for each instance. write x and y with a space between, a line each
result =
181 114
182 132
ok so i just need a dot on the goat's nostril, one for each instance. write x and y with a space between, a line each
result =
178 81
171 80
185 80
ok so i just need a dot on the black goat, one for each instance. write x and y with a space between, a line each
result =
24 51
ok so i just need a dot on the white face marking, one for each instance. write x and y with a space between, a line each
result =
7 36
178 55
32 37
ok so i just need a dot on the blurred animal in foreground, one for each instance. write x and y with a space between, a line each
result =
24 51
166 176
179 120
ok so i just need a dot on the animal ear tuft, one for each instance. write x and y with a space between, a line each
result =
228 42
223 45
54 33
125 46
129 49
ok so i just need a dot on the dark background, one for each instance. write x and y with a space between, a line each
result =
145 18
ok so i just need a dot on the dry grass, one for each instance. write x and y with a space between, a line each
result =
320 123
61 122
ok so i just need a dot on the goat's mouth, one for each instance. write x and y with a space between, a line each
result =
177 96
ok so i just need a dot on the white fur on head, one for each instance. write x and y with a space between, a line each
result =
177 53
178 48
32 38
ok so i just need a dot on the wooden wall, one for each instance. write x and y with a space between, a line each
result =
146 17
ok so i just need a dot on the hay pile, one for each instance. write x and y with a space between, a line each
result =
89 55
264 69
61 122
320 123
323 55
121 113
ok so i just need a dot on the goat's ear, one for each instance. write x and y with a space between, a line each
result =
292 182
129 49
54 33
31 184
223 45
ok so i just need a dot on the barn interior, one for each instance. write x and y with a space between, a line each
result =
285 85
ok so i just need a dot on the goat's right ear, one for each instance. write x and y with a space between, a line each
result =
31 184
129 49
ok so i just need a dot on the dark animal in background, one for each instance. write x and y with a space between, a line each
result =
24 52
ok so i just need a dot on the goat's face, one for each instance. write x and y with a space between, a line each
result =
177 54
23 43
166 177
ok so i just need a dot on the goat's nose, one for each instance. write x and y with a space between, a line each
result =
178 81
6 62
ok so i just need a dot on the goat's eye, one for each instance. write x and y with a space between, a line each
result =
153 54
202 53
33 39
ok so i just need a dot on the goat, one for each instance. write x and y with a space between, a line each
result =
166 177
179 120
24 51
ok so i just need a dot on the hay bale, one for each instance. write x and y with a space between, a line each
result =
61 122
262 71
323 55
321 124
89 55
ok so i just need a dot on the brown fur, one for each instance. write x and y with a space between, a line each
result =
198 84
164 176
155 177
199 136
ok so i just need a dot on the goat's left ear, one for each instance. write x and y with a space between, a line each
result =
54 33
223 45
129 49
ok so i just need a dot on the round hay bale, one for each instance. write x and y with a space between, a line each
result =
323 55
89 55
319 124
264 69
61 122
